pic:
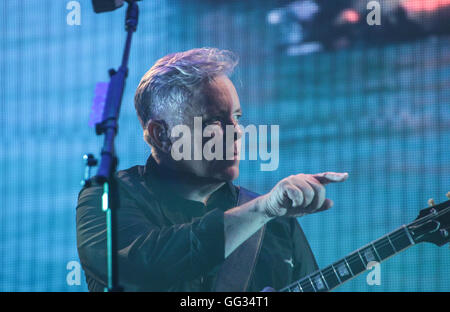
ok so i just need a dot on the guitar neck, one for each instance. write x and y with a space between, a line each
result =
354 264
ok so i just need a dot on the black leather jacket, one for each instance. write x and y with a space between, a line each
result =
168 243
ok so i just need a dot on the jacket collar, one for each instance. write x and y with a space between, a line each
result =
177 208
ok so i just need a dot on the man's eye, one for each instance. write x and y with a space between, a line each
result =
237 117
213 121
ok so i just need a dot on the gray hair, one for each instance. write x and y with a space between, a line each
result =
174 80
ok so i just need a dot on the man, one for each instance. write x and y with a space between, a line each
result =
179 220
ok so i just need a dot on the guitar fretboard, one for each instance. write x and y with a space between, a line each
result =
355 263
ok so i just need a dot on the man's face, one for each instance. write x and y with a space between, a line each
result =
218 106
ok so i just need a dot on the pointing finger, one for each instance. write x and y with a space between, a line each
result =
330 177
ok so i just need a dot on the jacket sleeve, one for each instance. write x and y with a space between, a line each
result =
305 262
149 256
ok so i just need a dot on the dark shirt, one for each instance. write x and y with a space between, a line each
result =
168 243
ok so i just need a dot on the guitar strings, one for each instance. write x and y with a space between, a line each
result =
354 257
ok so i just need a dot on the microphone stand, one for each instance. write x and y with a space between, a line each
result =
108 162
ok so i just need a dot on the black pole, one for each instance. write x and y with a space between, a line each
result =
108 162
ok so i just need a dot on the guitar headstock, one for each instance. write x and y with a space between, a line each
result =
433 223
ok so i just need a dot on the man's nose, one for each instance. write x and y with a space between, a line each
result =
238 132
236 129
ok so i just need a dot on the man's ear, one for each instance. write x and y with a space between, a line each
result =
158 136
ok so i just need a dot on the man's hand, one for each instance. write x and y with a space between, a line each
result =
300 194
293 196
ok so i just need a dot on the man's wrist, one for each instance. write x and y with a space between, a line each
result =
263 208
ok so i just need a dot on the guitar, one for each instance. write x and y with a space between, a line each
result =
432 225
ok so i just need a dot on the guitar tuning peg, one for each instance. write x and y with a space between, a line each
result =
448 195
431 202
